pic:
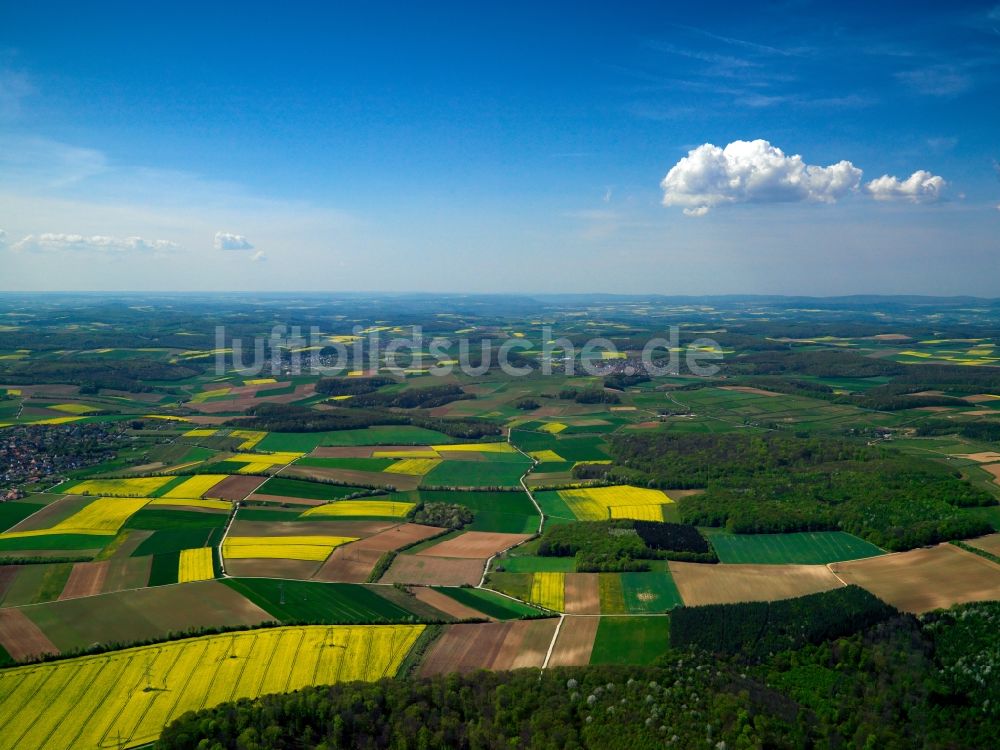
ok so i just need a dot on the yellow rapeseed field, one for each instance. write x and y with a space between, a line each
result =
548 590
477 447
270 459
553 427
250 438
195 565
73 408
546 455
254 468
195 487
599 503
199 432
418 466
189 502
363 508
102 517
125 698
637 512
259 381
130 487
315 548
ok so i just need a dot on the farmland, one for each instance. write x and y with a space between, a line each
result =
222 501
132 694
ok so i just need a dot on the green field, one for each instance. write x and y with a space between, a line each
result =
174 540
353 464
649 592
630 640
13 512
489 603
331 603
537 564
282 487
807 547
476 474
304 442
503 512
158 518
55 542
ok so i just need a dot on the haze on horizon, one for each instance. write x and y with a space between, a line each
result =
797 149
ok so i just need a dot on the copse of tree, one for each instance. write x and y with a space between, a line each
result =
126 374
444 515
589 396
624 544
413 398
527 404
350 386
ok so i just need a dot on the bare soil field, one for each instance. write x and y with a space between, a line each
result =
993 469
582 594
981 398
252 567
235 487
127 573
53 513
21 637
353 563
924 579
990 543
575 642
984 458
446 604
244 401
358 529
474 544
439 571
86 579
747 389
466 647
725 584
283 499
129 616
401 482
7 575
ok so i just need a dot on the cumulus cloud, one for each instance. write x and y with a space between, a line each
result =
919 187
97 242
229 241
3 238
258 256
752 172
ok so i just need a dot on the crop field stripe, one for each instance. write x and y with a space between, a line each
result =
819 547
196 565
549 590
362 509
105 694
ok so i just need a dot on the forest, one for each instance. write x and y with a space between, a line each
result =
778 483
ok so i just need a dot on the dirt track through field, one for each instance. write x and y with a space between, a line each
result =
86 579
473 544
575 642
924 579
725 584
21 637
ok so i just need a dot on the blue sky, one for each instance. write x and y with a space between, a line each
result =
502 148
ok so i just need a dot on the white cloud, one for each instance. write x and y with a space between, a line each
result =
228 241
258 256
97 242
920 187
752 172
3 238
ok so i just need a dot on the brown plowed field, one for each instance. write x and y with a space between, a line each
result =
582 594
21 637
434 571
401 482
467 647
989 543
252 567
358 529
575 642
446 604
234 487
725 584
86 579
127 573
7 575
353 563
924 579
477 544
